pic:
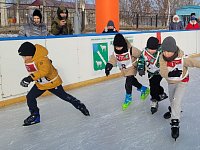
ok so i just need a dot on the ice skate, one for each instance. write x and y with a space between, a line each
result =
167 115
163 96
154 106
144 92
32 119
83 109
127 101
175 128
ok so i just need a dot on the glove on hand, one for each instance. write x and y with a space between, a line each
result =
141 72
108 68
26 81
175 73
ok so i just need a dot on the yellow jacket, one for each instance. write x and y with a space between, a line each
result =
42 71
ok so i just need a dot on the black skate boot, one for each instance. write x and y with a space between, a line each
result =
154 106
175 128
83 109
167 115
32 119
163 96
80 106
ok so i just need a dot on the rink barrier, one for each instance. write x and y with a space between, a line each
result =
66 88
75 57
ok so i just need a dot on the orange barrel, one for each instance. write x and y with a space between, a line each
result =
106 10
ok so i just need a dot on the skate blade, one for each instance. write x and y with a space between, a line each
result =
175 138
87 114
25 124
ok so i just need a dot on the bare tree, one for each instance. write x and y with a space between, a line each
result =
17 12
44 11
4 18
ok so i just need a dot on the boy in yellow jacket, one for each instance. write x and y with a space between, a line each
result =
46 77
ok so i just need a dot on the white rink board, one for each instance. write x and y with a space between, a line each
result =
140 40
73 56
186 41
63 53
12 67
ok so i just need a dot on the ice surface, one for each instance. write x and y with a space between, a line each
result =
108 128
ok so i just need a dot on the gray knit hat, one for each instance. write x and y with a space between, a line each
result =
169 44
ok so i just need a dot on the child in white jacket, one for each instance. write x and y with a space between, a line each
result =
174 68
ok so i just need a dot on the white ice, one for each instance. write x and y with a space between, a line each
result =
108 128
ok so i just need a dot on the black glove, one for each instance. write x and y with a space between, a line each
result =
108 68
26 81
141 72
175 73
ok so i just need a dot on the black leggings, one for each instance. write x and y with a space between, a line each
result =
155 88
131 81
58 91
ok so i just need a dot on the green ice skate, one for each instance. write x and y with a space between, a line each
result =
127 101
144 92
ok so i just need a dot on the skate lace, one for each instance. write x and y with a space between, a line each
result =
143 90
128 98
31 118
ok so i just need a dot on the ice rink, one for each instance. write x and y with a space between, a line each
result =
63 127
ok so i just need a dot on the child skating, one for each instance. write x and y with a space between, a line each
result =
149 60
46 77
125 56
174 68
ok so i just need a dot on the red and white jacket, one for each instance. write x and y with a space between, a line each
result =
182 63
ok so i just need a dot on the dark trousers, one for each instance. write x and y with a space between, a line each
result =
58 91
155 88
131 81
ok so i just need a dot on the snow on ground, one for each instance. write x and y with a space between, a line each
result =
108 128
8 35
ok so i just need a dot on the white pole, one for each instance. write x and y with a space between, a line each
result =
76 21
17 12
44 12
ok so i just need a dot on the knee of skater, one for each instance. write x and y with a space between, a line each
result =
28 96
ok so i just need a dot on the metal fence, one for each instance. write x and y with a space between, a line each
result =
144 20
127 20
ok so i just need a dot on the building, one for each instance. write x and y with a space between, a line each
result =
185 12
